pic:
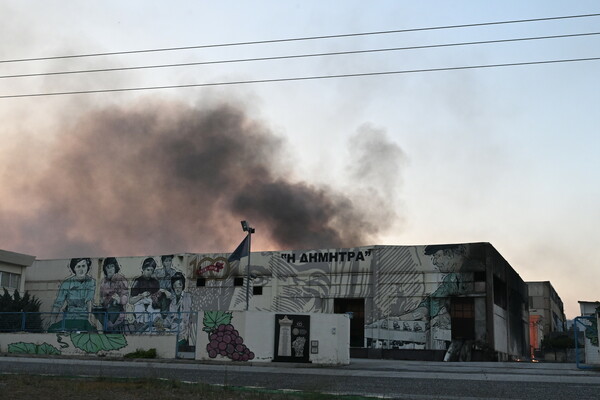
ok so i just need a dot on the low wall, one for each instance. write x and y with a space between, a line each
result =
216 336
398 354
273 337
85 344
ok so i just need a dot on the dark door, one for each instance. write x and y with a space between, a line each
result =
462 311
357 322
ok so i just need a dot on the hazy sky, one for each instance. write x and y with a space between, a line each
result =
502 155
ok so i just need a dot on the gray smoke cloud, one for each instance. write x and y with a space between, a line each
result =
164 177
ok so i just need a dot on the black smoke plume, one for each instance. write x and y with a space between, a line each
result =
166 177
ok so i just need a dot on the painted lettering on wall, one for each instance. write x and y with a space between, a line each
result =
327 257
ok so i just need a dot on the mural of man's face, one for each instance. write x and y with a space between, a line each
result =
80 268
167 262
446 260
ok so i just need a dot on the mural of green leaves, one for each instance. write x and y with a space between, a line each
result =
95 342
212 319
32 348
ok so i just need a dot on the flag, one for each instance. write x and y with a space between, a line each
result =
240 251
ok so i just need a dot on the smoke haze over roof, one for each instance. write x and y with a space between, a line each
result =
162 177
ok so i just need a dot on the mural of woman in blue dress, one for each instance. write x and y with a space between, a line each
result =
74 299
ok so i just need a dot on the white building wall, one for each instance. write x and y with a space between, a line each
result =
330 333
500 330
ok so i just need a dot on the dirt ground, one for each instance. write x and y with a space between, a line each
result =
27 387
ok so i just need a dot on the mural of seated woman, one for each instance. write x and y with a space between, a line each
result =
74 299
146 296
114 295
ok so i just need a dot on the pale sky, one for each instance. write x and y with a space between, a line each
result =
503 155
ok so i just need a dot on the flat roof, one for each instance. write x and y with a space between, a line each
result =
10 257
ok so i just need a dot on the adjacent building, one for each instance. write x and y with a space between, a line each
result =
546 313
409 301
12 270
588 322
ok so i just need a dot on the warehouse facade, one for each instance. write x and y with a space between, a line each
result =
409 300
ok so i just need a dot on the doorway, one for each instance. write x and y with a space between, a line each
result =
462 312
357 321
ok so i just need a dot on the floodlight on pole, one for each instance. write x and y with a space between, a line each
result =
247 228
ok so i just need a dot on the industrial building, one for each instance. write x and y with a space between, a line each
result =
546 313
411 302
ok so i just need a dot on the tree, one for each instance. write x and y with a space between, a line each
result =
12 309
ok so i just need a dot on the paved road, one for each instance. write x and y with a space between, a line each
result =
382 378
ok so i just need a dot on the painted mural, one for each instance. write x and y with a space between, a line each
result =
417 314
74 299
224 339
292 336
114 296
87 342
401 297
152 301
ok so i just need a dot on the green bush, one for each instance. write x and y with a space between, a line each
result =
141 353
558 342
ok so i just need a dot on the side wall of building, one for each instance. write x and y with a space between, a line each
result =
545 302
510 310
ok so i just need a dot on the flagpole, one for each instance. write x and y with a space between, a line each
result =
247 228
248 268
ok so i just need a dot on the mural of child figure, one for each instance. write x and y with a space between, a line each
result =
179 308
114 295
165 271
74 298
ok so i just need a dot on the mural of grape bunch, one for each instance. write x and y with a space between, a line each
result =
224 339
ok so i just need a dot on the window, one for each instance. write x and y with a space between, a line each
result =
238 281
10 280
500 298
4 279
200 282
463 308
15 280
257 290
479 276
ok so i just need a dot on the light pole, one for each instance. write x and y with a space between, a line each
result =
247 228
